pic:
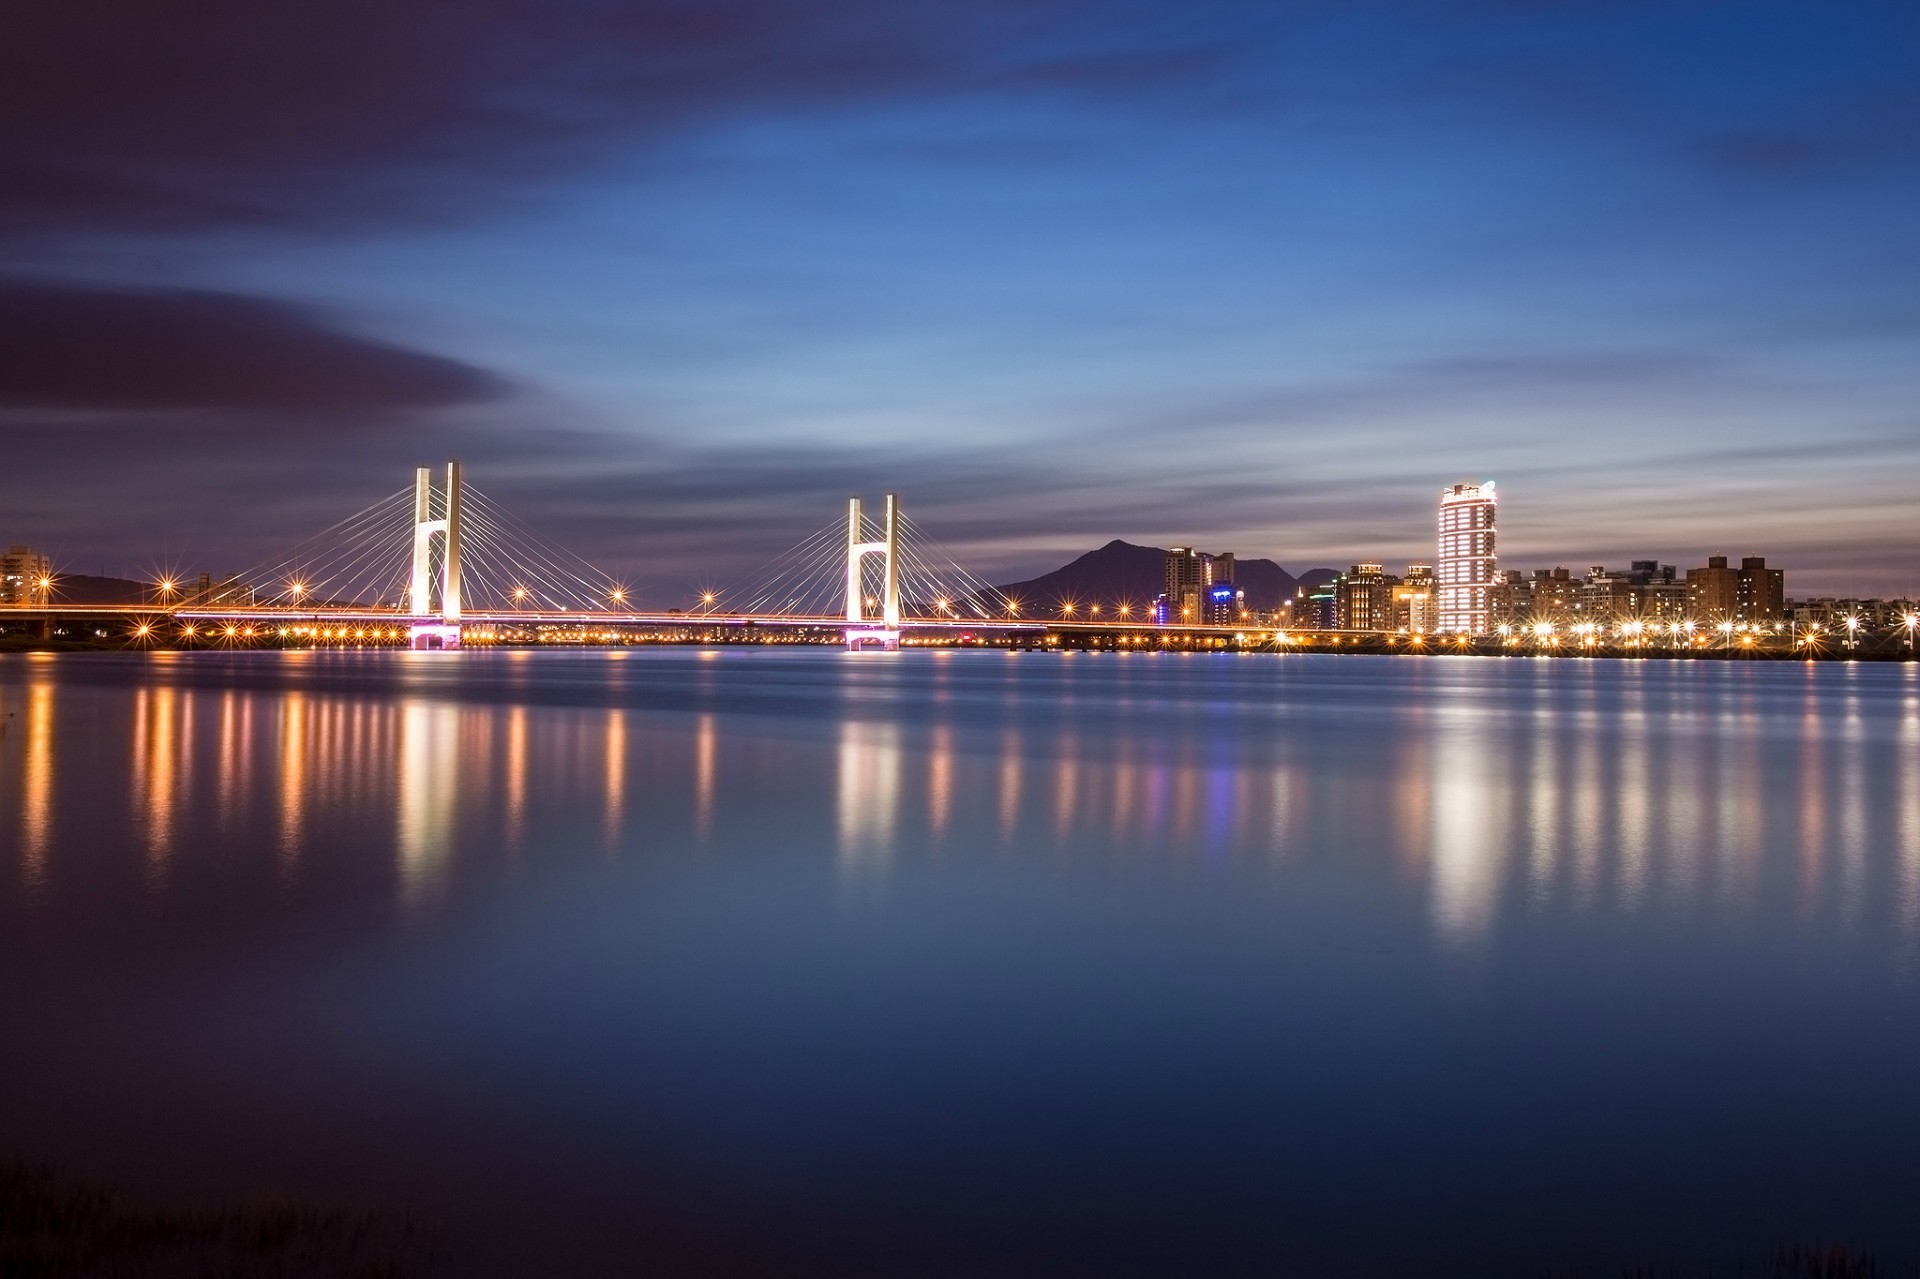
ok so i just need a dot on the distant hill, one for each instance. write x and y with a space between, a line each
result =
1122 572
80 588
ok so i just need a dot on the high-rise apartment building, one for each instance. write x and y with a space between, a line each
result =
1226 605
1712 592
1468 559
1528 599
1760 593
1363 598
1751 593
1413 602
22 569
1645 591
1190 575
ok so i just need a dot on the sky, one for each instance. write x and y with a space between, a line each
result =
673 279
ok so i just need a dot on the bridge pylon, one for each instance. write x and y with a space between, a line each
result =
435 628
862 631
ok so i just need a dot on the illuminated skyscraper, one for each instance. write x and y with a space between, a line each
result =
1468 562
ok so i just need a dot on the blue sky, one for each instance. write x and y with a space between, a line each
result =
676 279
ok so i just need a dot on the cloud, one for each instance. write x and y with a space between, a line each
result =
65 346
228 113
1768 152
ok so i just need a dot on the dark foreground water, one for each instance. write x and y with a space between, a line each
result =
763 961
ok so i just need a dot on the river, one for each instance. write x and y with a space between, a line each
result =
776 960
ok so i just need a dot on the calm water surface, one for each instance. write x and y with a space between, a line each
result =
775 961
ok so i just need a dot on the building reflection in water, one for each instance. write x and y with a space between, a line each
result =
516 779
614 750
1667 798
36 798
1412 800
1469 851
1811 769
867 794
1010 773
1906 776
1283 817
1066 784
229 759
706 748
162 773
1542 795
1853 836
1586 833
293 760
430 762
940 781
1632 825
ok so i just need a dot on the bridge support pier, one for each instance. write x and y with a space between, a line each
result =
431 630
861 631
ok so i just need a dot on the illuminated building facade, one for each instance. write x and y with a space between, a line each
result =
22 569
1527 599
1751 593
1190 577
1468 559
1413 601
1646 591
1226 604
226 590
1363 598
1760 593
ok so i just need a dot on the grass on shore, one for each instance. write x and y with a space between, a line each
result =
52 1227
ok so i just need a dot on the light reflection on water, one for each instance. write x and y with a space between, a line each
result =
1491 802
1069 862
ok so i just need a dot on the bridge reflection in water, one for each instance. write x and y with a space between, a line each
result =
1479 807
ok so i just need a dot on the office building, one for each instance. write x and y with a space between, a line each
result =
1468 558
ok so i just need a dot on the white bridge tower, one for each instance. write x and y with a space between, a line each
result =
863 631
431 629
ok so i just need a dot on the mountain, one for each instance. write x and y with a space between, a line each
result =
1121 572
83 588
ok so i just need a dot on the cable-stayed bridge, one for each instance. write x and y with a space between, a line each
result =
443 565
440 564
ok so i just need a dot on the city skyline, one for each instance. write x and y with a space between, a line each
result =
1644 265
179 565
